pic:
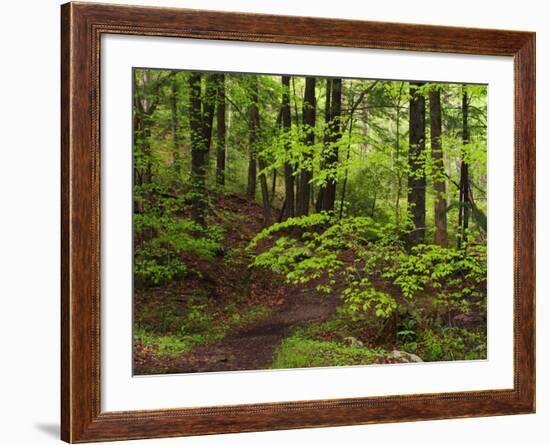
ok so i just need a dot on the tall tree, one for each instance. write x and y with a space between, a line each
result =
417 176
176 141
146 100
331 159
440 204
254 141
252 146
220 131
308 121
333 112
198 149
201 115
464 185
326 141
286 123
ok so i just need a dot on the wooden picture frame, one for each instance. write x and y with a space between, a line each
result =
82 26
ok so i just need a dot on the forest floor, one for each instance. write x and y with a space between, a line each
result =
269 309
227 316
253 346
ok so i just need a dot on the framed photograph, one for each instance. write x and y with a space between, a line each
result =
274 222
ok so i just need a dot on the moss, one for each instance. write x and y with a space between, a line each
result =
299 352
199 327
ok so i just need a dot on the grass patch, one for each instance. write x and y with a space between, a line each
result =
200 326
297 351
249 315
165 345
449 343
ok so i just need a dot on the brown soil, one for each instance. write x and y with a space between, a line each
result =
248 347
252 347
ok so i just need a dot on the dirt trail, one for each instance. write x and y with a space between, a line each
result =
252 347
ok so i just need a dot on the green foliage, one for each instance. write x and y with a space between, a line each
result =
172 332
358 253
163 240
298 351
165 345
451 343
456 278
404 297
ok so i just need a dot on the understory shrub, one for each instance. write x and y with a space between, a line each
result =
369 266
163 241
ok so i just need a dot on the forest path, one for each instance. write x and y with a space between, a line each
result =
253 346
250 346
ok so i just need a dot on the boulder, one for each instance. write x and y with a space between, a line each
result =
404 357
352 341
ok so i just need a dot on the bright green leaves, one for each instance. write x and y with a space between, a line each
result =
164 242
352 256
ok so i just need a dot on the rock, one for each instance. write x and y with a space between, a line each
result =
466 320
404 357
352 341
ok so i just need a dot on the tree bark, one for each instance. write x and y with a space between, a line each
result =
252 154
417 176
198 150
208 108
174 99
289 178
220 131
308 121
464 185
326 142
331 159
440 205
254 139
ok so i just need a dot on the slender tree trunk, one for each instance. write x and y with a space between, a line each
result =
440 207
138 129
252 156
220 131
146 111
308 118
464 186
417 176
254 138
208 108
345 183
326 142
198 150
285 118
265 193
273 186
397 156
174 100
331 159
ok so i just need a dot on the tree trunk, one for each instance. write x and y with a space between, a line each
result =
440 207
145 121
289 178
174 99
331 159
348 152
464 186
254 139
308 118
273 186
417 176
326 142
198 150
208 108
220 131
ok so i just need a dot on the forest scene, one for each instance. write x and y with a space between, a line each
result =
286 221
